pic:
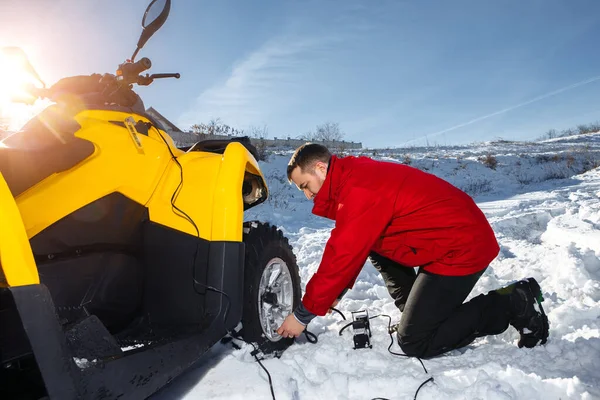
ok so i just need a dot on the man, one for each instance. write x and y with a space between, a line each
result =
401 218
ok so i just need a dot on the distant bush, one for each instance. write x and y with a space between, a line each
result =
579 130
551 134
523 178
589 159
545 158
542 167
477 187
489 160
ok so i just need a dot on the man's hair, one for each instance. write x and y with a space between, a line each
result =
306 156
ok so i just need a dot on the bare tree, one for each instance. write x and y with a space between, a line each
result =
308 136
595 126
213 126
197 128
551 134
258 136
329 132
216 127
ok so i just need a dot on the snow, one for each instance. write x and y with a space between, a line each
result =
84 363
543 201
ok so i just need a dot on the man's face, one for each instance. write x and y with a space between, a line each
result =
311 180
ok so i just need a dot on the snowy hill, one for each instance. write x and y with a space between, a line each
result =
543 201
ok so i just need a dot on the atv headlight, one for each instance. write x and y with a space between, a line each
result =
252 189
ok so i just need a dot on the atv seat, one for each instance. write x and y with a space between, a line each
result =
219 145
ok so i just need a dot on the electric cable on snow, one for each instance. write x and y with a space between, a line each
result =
416 393
338 311
258 360
312 338
390 350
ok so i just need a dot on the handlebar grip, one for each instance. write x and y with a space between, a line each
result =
140 66
158 76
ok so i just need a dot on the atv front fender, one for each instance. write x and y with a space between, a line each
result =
228 207
17 266
209 189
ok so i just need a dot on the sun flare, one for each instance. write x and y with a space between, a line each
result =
15 77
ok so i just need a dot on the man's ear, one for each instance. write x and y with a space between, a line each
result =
321 167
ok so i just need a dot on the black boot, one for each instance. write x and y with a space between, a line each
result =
527 313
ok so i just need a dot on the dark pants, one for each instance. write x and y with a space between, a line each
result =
434 318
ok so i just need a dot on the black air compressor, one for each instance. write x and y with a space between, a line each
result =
362 329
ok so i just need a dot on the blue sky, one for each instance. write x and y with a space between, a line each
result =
390 72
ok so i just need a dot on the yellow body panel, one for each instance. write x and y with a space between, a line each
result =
16 258
115 166
142 168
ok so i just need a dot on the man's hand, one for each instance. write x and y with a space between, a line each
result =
291 327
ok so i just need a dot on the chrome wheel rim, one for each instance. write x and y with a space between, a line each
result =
275 297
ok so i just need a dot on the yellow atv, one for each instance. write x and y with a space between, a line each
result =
123 258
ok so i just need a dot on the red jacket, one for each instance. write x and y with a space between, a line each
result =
400 212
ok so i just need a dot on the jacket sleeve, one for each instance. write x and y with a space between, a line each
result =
361 218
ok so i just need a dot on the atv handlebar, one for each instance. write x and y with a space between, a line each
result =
148 79
100 89
136 68
129 71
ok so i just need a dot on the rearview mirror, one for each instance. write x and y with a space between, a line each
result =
155 16
158 10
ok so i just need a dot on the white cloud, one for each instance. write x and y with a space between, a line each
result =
286 71
260 85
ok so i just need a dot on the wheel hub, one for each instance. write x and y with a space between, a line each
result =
275 297
270 298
